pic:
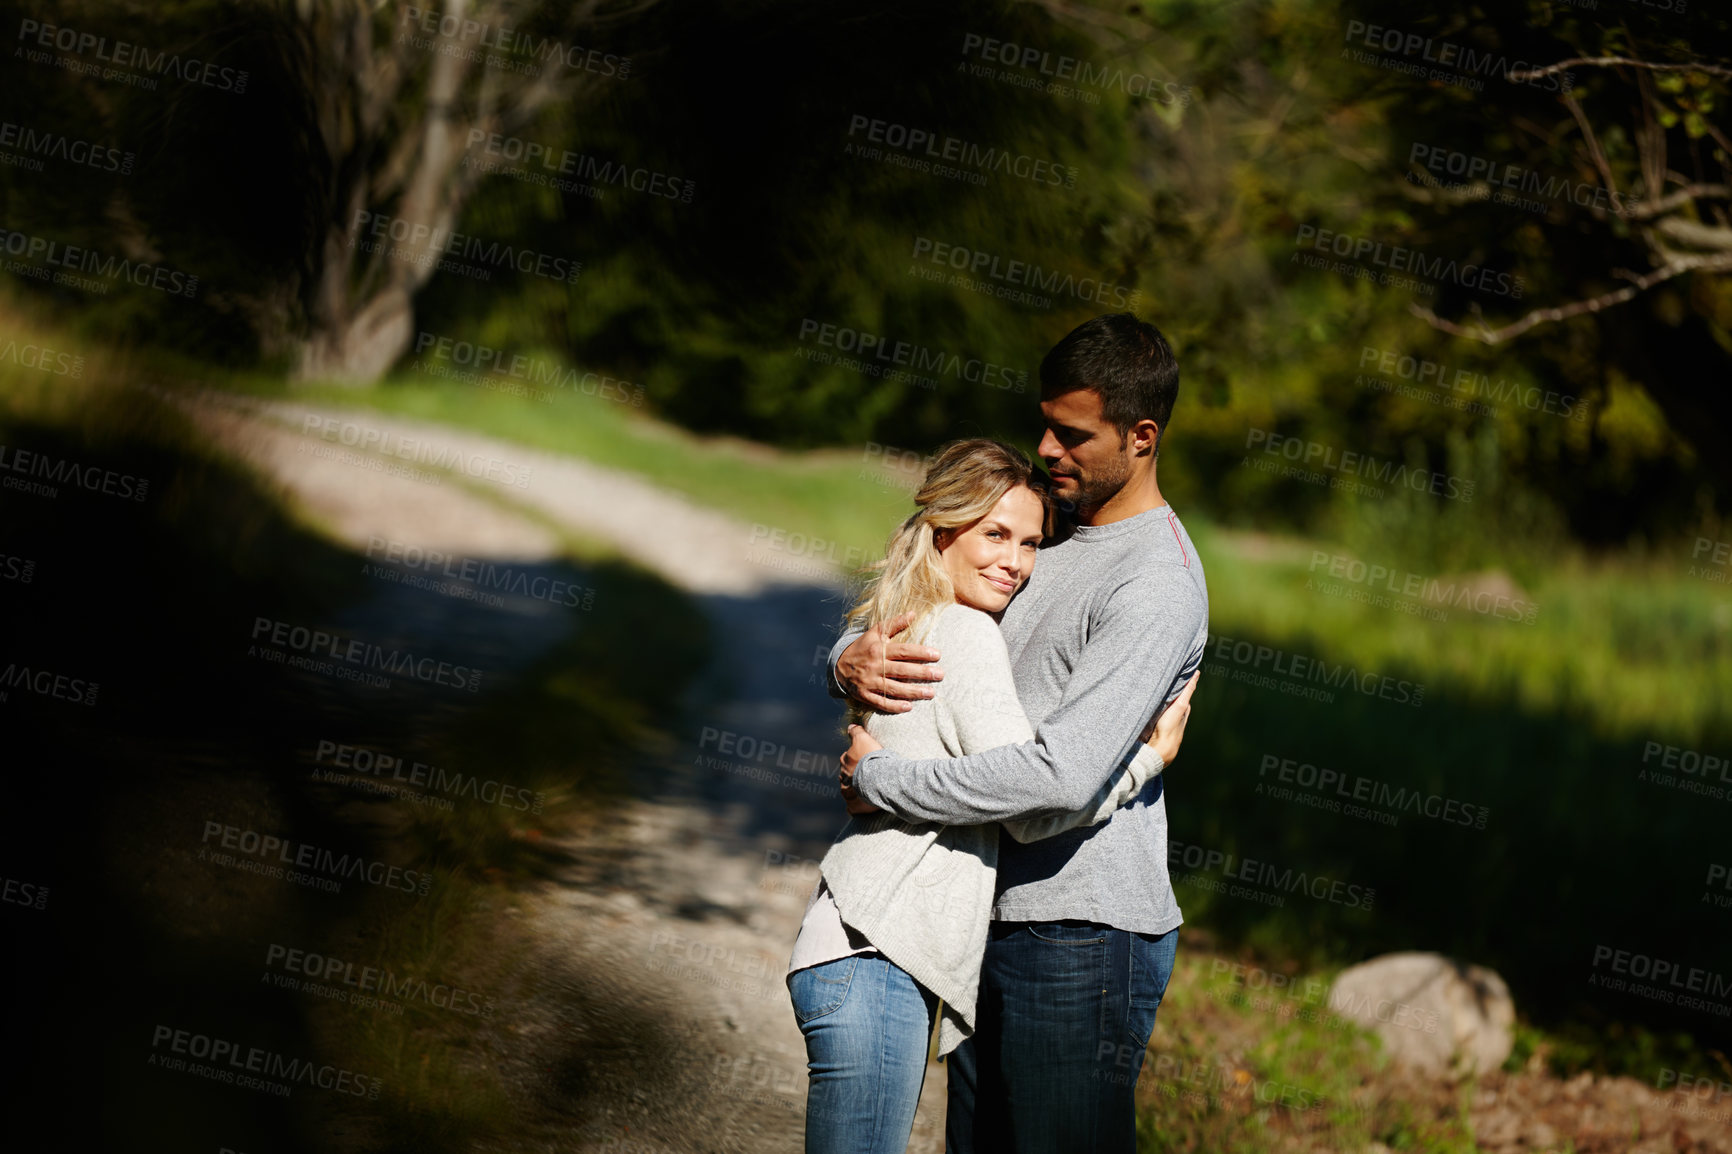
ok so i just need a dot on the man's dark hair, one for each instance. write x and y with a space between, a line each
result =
1125 360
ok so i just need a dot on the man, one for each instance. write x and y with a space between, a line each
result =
1111 624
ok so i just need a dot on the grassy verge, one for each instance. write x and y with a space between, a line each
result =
1634 648
851 497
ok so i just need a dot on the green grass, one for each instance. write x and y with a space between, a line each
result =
837 495
1236 1068
1633 648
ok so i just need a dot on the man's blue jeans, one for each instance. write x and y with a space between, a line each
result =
867 1025
1065 1013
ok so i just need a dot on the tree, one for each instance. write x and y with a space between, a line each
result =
1643 260
395 94
1681 216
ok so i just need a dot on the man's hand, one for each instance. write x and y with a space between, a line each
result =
863 744
887 674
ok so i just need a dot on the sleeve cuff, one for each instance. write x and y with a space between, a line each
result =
830 683
860 773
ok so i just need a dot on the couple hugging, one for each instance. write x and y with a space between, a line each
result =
1041 957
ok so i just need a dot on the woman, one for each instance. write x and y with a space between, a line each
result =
896 928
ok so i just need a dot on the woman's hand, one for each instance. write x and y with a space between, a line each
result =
863 743
1169 724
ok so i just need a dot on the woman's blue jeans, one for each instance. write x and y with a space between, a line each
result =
867 1025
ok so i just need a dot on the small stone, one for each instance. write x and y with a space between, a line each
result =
1539 1134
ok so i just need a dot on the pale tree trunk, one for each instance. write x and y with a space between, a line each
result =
361 312
357 347
383 161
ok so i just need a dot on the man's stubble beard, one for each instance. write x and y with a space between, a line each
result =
1095 492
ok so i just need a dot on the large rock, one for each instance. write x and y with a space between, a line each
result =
1433 1014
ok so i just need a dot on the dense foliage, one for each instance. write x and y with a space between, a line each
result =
773 246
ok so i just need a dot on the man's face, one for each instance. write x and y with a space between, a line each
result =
1088 459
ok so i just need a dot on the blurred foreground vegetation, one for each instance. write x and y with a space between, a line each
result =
153 601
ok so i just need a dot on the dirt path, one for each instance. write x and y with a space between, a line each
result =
662 945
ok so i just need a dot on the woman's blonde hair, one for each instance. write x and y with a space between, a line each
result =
963 483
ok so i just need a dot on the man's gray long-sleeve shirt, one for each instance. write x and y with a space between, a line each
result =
1110 625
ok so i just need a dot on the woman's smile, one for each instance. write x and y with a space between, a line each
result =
988 560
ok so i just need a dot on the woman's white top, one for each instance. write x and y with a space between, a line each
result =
920 893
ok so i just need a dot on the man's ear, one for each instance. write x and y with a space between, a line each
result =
1145 435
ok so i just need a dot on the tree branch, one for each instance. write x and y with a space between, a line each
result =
1099 18
1646 210
1696 235
1521 74
1594 150
1650 140
1638 284
1425 188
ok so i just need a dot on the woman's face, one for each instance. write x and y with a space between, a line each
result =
989 560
